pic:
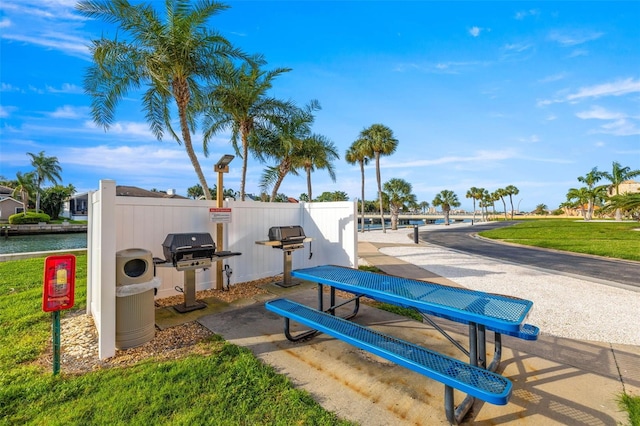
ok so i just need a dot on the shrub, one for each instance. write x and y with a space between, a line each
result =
30 217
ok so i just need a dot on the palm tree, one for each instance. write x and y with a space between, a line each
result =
317 152
284 145
423 206
358 153
446 199
400 197
577 198
511 190
175 58
591 179
25 186
379 140
475 194
628 202
501 193
240 102
618 175
46 169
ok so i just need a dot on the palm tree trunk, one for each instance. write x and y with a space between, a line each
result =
182 96
511 201
473 219
245 153
362 195
282 172
380 190
308 170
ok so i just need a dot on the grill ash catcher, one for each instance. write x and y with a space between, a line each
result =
288 239
189 252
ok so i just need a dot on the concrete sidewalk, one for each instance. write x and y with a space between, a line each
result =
555 381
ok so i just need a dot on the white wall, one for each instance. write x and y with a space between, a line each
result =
118 223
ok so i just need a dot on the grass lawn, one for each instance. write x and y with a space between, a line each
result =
620 240
218 384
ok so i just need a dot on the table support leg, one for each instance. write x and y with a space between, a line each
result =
482 346
497 355
473 344
456 414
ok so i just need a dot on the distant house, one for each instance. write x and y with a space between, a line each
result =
8 205
77 206
626 187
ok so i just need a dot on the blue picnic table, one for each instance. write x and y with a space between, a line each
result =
482 311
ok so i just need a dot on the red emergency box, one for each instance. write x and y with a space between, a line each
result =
59 282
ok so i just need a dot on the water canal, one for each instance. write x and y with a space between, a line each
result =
42 242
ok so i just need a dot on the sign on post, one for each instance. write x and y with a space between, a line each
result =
57 294
220 214
59 282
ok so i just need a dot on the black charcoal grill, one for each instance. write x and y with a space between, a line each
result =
188 252
288 239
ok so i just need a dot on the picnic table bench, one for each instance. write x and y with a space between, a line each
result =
481 311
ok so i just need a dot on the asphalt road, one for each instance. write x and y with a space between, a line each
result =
608 271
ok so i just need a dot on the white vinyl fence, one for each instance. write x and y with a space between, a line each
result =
118 223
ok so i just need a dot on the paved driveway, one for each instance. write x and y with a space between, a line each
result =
608 271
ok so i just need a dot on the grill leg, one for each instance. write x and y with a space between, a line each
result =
286 274
190 303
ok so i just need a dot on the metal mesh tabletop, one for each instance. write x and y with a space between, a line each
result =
492 310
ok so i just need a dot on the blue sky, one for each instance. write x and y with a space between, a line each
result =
485 94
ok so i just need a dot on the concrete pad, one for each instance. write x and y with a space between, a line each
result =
561 382
169 317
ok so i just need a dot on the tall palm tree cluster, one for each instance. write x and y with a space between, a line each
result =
606 197
487 199
373 142
187 68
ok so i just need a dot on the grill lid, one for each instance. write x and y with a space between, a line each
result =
293 233
177 247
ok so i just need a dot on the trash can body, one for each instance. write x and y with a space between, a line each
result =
135 309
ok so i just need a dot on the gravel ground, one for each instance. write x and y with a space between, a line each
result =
564 306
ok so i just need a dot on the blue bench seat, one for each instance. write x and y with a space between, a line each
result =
453 373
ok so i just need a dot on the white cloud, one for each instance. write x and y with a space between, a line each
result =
67 111
522 14
451 67
598 112
479 156
530 139
475 31
617 88
621 127
5 23
132 160
573 38
4 87
4 113
53 24
126 128
554 77
618 124
66 88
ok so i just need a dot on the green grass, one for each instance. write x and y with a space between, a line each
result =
631 404
620 240
219 383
